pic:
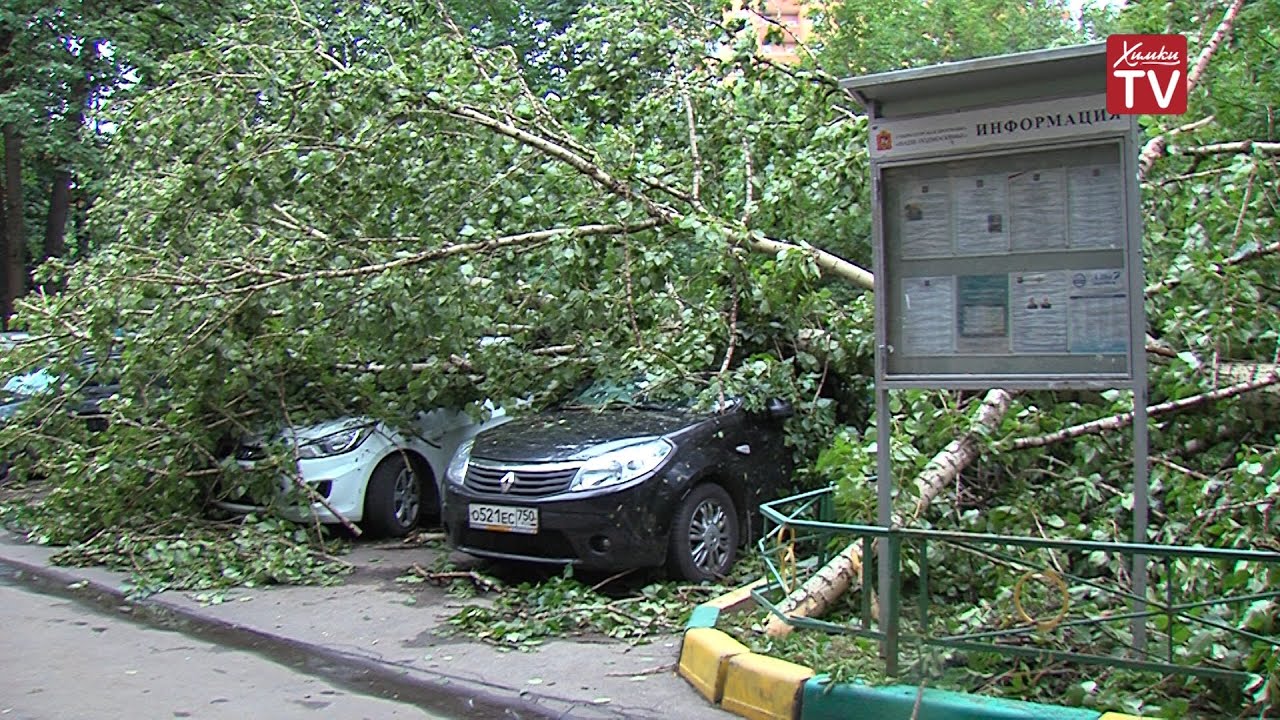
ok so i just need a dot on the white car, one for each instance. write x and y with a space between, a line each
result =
368 472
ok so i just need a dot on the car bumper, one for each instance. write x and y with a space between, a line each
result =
608 530
341 480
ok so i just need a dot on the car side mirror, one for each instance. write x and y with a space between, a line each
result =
780 409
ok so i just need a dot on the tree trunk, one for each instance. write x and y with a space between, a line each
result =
83 204
14 271
8 181
4 254
818 592
55 233
945 467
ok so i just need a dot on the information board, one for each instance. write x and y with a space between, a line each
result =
1007 246
1006 266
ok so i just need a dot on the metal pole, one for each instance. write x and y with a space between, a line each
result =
1138 364
887 622
884 517
1140 505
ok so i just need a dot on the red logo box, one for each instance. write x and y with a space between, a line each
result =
1146 74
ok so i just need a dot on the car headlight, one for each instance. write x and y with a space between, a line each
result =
621 465
335 444
457 471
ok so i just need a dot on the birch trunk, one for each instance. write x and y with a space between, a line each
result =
845 570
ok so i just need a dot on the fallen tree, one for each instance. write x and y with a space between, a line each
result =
382 203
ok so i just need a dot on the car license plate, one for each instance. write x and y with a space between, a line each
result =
503 518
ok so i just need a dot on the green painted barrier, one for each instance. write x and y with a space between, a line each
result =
704 616
822 700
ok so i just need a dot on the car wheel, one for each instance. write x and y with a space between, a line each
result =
704 535
393 500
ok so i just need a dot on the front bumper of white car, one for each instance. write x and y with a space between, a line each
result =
340 479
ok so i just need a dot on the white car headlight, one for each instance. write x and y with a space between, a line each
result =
457 471
335 444
621 465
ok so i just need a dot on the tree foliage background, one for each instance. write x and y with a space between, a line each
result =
305 208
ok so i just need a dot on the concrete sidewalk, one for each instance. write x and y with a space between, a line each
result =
386 639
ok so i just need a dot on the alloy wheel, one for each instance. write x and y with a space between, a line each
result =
709 537
405 497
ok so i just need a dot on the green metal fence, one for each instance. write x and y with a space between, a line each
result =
1034 597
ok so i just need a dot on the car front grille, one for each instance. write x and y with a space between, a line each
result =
529 481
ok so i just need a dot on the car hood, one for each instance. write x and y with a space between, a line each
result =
308 433
575 434
324 429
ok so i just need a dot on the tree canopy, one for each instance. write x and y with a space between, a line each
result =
378 207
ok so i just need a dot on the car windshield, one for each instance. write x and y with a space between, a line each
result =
22 387
635 393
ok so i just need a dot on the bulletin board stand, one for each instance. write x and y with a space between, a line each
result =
1007 242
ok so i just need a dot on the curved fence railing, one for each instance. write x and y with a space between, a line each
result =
1208 612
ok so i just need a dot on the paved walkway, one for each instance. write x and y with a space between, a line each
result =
383 636
65 660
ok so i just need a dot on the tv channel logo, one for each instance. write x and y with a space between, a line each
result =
1146 74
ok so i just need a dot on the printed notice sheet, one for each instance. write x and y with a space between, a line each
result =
926 218
1037 202
1039 311
1096 217
982 314
928 305
1098 304
981 227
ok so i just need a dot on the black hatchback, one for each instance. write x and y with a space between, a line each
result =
615 480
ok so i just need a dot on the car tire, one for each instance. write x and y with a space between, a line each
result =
393 499
704 535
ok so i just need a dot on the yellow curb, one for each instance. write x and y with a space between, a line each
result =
735 599
759 687
1119 716
704 659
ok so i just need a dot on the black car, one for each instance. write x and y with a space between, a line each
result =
615 480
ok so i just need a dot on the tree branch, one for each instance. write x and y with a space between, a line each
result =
454 362
828 262
1238 259
1220 34
1116 422
1155 147
565 155
528 238
630 290
696 191
1227 148
733 341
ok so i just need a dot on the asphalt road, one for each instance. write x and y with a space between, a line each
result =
62 660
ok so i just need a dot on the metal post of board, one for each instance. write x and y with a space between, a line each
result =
1140 505
886 585
886 622
1138 359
